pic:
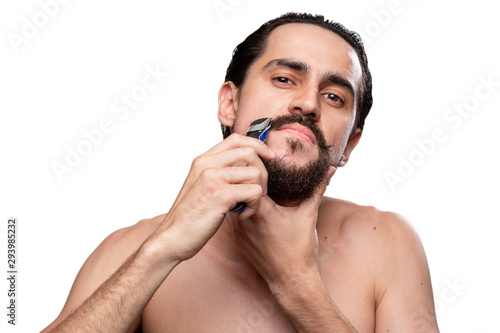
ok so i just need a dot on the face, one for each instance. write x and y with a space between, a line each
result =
304 70
288 183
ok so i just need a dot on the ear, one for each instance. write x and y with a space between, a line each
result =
228 103
353 141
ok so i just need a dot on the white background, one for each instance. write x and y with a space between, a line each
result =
426 57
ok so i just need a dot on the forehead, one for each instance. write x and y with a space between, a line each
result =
322 50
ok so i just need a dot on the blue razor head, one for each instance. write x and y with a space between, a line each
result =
263 136
259 130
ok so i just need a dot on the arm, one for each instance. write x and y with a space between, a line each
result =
112 253
117 304
306 302
103 299
281 243
407 303
402 286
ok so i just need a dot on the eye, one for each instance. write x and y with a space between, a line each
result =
282 80
334 98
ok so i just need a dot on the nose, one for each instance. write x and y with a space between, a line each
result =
306 102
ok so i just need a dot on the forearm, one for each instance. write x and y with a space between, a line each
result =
119 301
309 307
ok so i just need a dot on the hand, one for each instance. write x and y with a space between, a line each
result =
281 242
229 173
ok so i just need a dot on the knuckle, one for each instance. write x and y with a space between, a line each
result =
255 174
246 152
208 183
236 138
208 176
256 191
197 162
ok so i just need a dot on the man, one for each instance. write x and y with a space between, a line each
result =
293 260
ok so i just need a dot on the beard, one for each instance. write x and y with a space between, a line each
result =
291 184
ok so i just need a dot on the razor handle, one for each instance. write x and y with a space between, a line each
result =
259 130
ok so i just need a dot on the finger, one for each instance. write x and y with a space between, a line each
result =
236 141
241 175
239 158
220 190
250 194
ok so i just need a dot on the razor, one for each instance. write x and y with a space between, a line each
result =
258 129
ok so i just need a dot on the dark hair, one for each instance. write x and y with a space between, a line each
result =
245 54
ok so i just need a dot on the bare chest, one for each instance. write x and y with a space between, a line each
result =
198 296
196 301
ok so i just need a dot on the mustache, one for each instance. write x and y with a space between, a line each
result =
280 121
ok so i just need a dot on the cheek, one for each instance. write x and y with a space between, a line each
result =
252 106
339 133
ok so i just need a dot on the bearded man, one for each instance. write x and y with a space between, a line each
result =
293 260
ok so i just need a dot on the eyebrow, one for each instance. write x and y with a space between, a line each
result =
303 68
341 81
292 64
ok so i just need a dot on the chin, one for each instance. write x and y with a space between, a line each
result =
297 158
289 183
294 151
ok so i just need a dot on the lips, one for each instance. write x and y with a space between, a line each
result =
299 131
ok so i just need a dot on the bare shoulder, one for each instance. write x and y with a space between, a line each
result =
385 241
387 246
125 241
116 248
381 229
105 260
